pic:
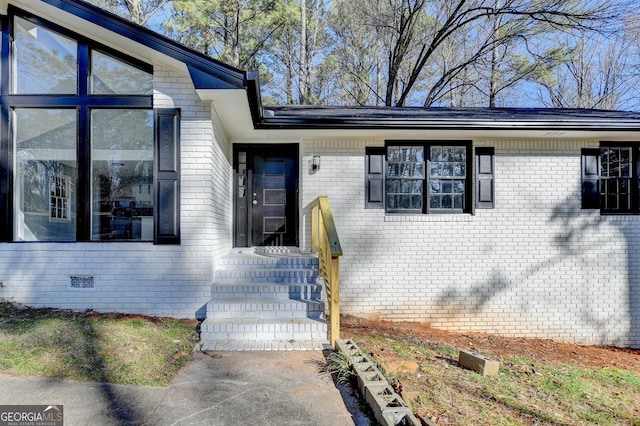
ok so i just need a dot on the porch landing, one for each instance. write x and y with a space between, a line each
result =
266 299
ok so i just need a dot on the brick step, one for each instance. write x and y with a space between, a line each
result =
263 262
264 345
309 291
289 276
245 308
303 329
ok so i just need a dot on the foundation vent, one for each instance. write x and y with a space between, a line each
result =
82 282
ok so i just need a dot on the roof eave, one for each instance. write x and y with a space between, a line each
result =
336 124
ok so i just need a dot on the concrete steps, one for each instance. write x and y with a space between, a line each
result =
268 299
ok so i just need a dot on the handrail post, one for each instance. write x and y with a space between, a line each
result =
315 210
334 309
325 242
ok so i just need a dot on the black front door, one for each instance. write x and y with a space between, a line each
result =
266 195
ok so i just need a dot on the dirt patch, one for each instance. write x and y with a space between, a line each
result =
539 350
540 381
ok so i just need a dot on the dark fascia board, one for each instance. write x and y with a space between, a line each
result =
296 117
206 72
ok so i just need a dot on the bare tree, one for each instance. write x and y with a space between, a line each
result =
404 21
594 74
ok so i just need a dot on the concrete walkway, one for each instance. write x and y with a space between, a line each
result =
215 388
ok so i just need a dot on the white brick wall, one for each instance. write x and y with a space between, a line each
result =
142 277
535 265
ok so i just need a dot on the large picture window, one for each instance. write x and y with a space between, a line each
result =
46 174
427 177
81 162
122 171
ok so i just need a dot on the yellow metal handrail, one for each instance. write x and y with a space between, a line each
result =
325 242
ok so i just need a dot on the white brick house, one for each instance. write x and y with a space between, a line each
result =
521 222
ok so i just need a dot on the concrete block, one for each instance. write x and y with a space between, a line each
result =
368 374
388 407
399 417
348 347
478 363
383 396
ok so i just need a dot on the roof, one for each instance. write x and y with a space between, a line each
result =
454 118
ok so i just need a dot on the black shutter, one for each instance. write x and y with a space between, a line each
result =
485 178
374 178
167 177
590 178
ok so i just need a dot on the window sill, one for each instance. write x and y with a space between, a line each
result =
452 217
620 217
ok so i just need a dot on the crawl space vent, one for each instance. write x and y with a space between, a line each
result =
81 282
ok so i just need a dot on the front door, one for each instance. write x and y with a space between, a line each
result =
266 188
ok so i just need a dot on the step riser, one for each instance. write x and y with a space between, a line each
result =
261 332
288 264
265 291
266 276
264 310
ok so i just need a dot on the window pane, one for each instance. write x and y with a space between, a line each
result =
393 185
416 202
615 183
457 202
405 177
392 202
122 174
45 61
46 174
446 163
110 76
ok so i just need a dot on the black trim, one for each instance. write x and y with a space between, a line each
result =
6 151
255 101
166 206
83 188
374 189
590 178
485 178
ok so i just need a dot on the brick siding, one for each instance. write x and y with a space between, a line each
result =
536 265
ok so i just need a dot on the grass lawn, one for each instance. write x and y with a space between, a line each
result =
88 346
